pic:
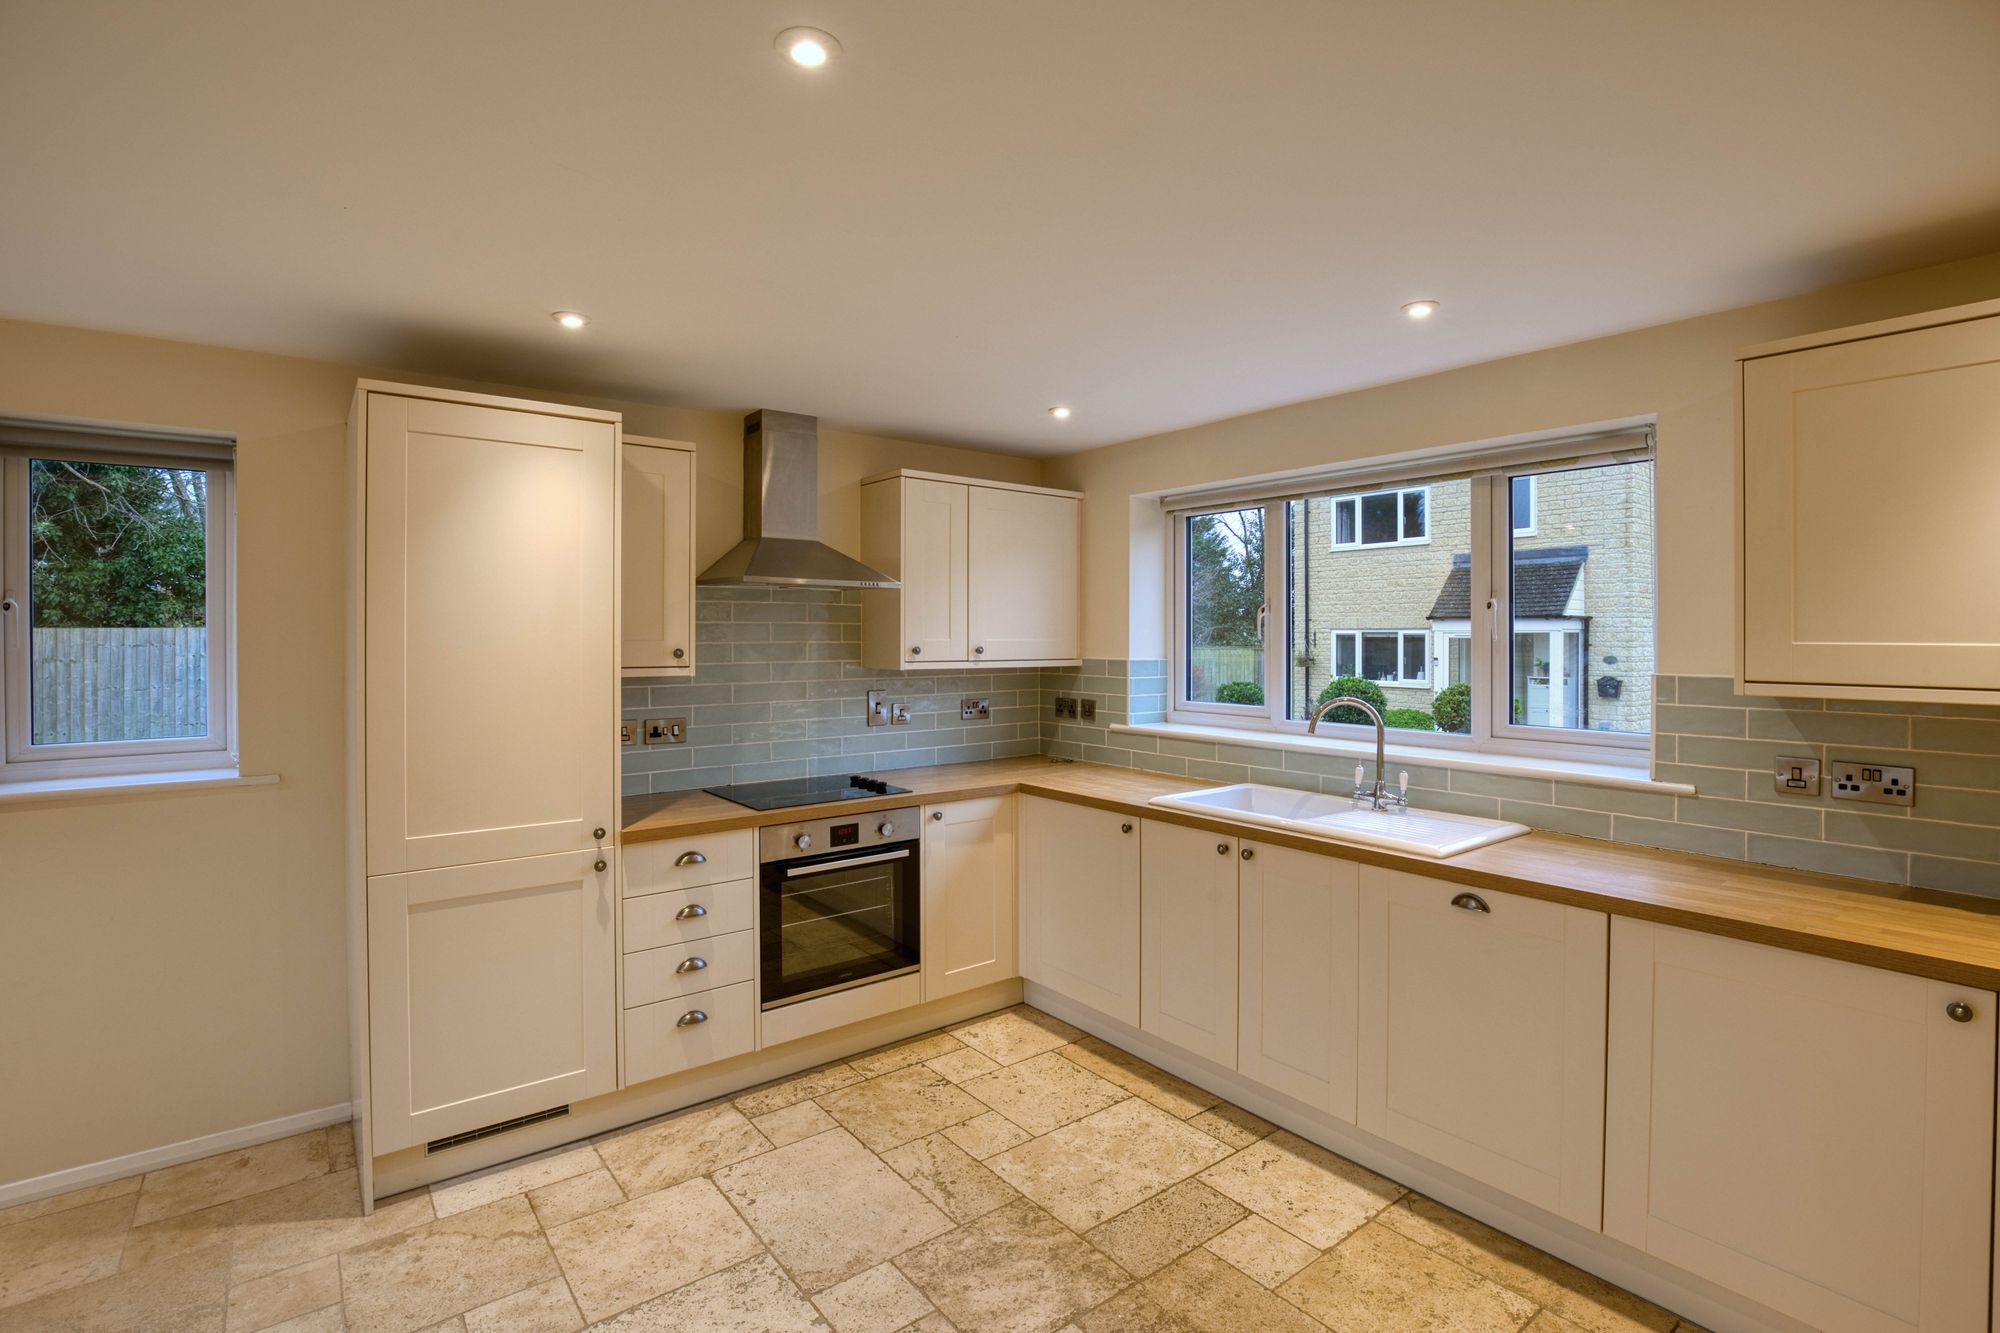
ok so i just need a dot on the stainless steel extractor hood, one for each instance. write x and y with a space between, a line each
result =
781 542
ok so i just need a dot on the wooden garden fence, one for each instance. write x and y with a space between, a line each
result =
119 684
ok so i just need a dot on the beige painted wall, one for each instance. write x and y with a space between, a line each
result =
1679 372
174 966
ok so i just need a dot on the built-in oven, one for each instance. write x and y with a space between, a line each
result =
838 903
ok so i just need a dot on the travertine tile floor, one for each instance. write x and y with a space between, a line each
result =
1010 1173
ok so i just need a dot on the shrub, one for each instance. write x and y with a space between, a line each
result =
1453 708
1409 719
1357 688
1239 692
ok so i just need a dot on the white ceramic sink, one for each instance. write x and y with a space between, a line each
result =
1340 819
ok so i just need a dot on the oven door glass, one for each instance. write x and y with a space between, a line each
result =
831 924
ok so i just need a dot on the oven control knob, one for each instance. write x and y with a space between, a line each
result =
803 842
887 829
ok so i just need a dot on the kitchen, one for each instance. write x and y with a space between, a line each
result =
699 813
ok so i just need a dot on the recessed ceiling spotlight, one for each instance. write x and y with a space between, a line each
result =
808 46
569 319
1421 309
1059 413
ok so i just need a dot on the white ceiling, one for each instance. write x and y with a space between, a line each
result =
1160 211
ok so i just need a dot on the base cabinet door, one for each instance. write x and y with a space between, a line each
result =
1482 1036
1299 993
1080 904
1187 954
492 993
1813 1134
970 908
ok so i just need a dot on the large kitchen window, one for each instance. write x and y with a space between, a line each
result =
114 602
1506 604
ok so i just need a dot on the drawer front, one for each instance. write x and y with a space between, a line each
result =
686 863
657 1044
680 915
683 969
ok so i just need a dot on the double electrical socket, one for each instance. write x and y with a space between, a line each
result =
974 710
1853 780
1084 710
665 731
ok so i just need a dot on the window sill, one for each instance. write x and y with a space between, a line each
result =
60 791
1626 776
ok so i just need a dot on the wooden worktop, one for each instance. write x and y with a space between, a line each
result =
1948 937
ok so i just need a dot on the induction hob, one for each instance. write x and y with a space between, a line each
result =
805 791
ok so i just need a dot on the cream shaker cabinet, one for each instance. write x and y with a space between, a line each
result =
971 908
987 573
490 661
656 562
1870 462
1080 904
1482 1036
1187 952
1298 1015
484 803
1813 1134
491 994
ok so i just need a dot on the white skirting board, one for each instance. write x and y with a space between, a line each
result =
1683 1293
171 1154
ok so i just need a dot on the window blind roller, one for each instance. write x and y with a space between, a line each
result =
86 441
1380 474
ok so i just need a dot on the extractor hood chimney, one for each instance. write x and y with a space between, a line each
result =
781 542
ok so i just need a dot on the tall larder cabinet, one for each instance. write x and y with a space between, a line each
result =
484 773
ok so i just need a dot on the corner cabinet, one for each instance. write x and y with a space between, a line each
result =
484 705
971 908
1080 904
1814 1134
656 557
988 573
1870 459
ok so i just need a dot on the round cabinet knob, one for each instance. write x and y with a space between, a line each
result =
803 842
1222 849
1124 828
1959 1011
980 651
1249 855
916 650
937 814
886 829
679 653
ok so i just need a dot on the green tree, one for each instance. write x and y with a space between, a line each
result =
1353 687
1226 577
112 544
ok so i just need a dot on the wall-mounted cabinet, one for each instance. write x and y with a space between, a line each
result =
1870 459
988 573
1814 1134
656 561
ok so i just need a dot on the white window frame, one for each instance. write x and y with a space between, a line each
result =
20 759
1493 730
1534 506
1399 681
1356 498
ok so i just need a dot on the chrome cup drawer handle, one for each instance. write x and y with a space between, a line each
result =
690 859
690 912
690 1018
1471 902
692 965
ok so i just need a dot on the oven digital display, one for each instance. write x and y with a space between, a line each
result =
844 835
